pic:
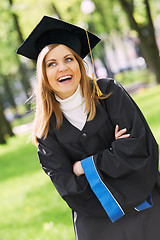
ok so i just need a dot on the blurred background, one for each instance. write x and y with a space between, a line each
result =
30 208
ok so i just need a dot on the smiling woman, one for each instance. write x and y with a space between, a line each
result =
65 61
98 151
62 71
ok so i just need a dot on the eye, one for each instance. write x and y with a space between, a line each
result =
51 64
69 59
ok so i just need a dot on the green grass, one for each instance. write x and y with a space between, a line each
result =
25 117
23 120
30 207
139 76
149 102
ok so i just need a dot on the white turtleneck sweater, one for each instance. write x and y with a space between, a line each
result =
73 108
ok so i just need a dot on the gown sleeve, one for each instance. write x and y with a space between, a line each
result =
58 166
123 177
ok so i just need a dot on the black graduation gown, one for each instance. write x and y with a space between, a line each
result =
128 167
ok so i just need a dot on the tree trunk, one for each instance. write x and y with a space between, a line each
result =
147 38
16 23
104 61
24 80
55 10
151 55
23 69
8 91
9 94
5 127
2 139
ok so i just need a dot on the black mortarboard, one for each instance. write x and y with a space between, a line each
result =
50 30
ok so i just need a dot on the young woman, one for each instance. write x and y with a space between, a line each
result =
93 141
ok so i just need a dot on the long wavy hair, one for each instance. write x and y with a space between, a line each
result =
46 103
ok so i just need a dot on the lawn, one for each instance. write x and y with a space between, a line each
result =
149 102
30 208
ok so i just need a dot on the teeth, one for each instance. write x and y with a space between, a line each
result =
63 78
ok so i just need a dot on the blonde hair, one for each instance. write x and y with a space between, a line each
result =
46 103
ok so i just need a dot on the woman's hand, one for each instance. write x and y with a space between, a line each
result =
120 134
77 168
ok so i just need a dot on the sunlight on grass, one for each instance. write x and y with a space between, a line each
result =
149 102
137 75
34 209
30 206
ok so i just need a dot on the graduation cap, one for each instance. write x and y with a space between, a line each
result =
54 31
51 30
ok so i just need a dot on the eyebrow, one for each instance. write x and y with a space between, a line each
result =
52 59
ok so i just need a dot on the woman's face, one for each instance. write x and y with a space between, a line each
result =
63 71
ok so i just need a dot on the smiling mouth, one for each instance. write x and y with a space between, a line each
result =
64 78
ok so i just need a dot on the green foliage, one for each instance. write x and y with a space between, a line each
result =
8 40
140 12
108 15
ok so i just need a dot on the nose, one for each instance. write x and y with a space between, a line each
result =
62 67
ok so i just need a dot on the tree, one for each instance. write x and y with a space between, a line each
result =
5 127
22 67
9 61
107 16
9 92
146 33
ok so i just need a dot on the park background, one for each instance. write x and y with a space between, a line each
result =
30 207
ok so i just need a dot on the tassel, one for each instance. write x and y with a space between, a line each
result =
96 90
